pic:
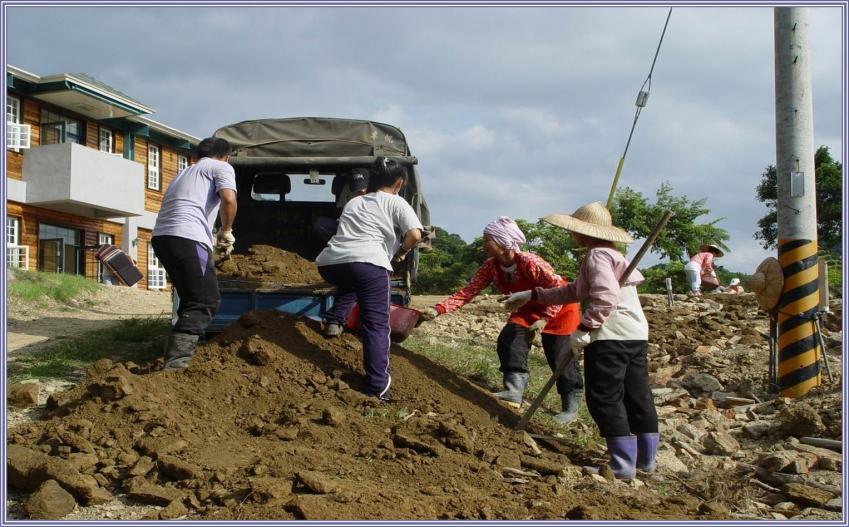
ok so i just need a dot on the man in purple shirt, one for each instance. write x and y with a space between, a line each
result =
182 241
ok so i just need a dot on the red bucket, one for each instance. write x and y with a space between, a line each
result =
402 320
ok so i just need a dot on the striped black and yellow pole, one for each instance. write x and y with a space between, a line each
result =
798 350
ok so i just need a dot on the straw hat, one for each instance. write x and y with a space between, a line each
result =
709 247
767 283
591 220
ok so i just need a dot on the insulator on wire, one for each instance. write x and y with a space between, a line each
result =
642 99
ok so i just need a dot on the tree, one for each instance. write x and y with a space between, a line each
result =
553 244
682 234
447 267
829 185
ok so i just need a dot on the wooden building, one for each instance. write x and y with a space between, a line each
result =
84 166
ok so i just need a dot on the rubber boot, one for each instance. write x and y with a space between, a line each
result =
623 456
179 350
514 387
571 402
647 451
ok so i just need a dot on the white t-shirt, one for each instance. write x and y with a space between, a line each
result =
370 230
191 202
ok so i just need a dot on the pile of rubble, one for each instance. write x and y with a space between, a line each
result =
269 264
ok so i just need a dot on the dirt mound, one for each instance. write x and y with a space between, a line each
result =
268 423
271 264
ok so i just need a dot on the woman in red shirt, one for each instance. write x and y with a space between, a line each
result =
511 270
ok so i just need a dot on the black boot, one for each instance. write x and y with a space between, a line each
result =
179 350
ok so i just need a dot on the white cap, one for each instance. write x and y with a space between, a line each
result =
734 281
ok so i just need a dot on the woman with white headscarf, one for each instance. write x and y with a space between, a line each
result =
510 270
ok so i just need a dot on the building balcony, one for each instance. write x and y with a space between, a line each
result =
72 178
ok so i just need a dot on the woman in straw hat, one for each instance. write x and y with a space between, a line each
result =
701 265
614 333
510 269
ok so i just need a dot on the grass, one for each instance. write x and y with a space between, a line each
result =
36 286
130 339
480 364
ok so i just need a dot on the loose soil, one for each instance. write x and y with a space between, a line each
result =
268 422
270 264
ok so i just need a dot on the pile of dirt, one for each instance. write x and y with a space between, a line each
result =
270 264
268 423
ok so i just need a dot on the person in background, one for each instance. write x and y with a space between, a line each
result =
374 230
510 269
701 265
182 241
613 333
324 226
734 287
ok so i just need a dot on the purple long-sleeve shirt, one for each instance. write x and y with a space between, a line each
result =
598 282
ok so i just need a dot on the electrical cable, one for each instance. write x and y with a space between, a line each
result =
642 100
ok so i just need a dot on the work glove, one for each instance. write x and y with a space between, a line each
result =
535 329
713 274
516 300
224 242
429 313
578 341
399 256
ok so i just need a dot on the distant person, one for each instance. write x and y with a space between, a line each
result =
182 240
357 185
613 334
700 268
374 230
510 269
734 287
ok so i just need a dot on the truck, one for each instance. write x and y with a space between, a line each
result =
289 172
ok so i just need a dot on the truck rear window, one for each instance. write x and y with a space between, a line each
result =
279 186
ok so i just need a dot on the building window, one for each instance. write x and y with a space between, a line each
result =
106 140
57 128
153 167
17 255
104 275
60 249
182 163
13 109
13 230
17 134
155 271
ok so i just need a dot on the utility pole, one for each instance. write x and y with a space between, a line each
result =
798 349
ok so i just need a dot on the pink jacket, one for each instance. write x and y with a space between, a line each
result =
598 282
704 260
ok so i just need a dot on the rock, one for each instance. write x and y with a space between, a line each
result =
785 507
544 467
667 460
22 395
806 495
511 460
333 416
721 443
318 482
141 490
834 504
800 419
777 461
701 383
27 469
404 441
159 446
714 509
49 502
24 467
174 510
270 490
798 466
174 468
58 400
142 467
456 437
758 429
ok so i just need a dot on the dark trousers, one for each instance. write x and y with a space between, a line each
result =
191 269
368 285
513 347
618 394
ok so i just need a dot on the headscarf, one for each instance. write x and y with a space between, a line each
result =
505 233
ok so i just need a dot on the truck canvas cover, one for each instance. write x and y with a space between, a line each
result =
323 141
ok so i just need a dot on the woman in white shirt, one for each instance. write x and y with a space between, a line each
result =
357 260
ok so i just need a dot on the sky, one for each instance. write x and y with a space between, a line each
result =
510 111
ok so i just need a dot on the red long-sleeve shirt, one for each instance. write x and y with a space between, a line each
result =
531 271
